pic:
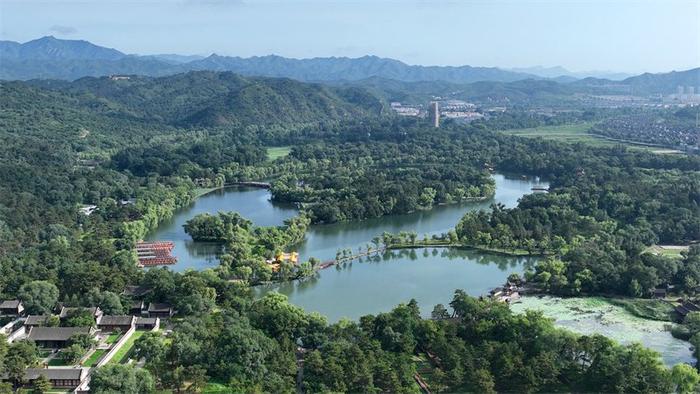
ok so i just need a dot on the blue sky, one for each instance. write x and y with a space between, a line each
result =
619 35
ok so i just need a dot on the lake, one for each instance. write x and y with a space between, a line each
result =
370 285
429 275
379 283
322 241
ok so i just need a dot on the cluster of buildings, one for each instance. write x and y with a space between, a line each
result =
406 110
685 95
451 109
89 209
51 334
507 293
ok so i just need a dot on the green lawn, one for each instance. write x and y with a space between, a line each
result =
57 362
94 357
216 387
574 133
123 353
113 337
277 152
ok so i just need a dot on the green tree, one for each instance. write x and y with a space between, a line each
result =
439 312
20 356
121 379
150 347
41 385
483 382
80 318
634 289
6 388
72 353
685 378
39 296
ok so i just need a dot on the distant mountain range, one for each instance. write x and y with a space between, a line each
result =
562 74
49 57
52 58
50 48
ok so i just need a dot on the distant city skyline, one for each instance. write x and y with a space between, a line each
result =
595 35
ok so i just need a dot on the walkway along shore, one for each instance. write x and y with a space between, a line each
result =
345 259
442 244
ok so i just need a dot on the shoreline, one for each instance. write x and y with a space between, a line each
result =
502 252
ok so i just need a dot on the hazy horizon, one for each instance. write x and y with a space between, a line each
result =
626 36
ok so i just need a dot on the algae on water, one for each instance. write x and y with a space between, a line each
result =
597 315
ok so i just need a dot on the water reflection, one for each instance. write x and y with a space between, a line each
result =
322 241
378 283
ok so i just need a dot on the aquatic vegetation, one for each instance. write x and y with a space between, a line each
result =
598 315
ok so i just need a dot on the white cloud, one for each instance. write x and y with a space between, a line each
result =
61 29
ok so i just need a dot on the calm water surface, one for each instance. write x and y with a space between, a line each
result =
370 285
378 284
254 204
322 241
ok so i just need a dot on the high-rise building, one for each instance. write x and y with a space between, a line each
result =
434 113
690 90
680 91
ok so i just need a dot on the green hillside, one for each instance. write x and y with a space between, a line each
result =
210 99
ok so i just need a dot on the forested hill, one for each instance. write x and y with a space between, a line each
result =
352 69
646 83
529 91
211 99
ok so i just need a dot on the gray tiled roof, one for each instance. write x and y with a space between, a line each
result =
157 307
36 320
56 333
135 291
55 373
68 311
9 304
137 305
116 320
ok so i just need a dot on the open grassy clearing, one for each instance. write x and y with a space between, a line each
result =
277 152
216 387
578 133
673 251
